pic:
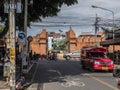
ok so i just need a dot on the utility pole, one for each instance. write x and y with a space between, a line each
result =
96 29
113 23
12 44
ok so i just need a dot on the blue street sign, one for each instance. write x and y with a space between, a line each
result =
21 35
21 38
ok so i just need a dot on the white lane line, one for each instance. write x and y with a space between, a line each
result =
34 73
56 72
103 82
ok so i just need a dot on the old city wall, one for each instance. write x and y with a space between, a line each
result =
76 43
39 44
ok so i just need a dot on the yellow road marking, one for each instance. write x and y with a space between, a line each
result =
105 83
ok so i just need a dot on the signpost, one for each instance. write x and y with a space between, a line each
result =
25 53
21 38
22 42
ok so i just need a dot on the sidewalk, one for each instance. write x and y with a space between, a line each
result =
117 66
28 76
2 84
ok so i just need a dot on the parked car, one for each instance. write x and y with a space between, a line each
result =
74 54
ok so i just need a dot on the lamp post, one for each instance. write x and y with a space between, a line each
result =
24 51
25 47
113 22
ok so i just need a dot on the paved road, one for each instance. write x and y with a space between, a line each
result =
68 75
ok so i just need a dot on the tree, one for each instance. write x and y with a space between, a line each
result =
59 44
39 9
1 28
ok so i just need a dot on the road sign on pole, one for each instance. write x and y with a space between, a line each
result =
21 38
25 53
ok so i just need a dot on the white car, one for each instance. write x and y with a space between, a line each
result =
74 54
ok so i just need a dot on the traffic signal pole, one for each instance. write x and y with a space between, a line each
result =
12 44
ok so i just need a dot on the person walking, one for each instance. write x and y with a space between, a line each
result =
6 68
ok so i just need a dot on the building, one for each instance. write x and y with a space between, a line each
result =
76 43
112 43
53 38
39 43
43 41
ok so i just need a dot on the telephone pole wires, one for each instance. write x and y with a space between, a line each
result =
96 29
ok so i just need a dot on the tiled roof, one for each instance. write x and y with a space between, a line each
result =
56 35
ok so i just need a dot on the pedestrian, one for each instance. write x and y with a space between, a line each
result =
117 57
6 68
35 56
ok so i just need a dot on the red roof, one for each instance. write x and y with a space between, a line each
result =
56 35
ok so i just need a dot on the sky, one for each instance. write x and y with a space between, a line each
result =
81 17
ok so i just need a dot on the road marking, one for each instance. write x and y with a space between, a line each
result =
103 82
58 72
33 85
72 83
34 73
117 79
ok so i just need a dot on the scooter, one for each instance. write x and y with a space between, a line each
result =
53 57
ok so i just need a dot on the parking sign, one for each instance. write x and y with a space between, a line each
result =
21 38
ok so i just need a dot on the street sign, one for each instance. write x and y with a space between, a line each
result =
30 38
12 55
12 52
21 38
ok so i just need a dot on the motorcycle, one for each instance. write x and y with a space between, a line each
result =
52 56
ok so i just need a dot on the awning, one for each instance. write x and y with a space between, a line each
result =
115 41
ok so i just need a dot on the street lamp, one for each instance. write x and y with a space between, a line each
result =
25 47
113 20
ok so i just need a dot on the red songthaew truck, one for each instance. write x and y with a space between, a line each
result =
95 58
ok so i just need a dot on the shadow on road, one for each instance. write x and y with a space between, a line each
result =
56 71
46 71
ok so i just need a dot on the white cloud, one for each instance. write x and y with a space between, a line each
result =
82 14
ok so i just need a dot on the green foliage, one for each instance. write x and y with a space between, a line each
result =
39 9
1 28
4 32
59 44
